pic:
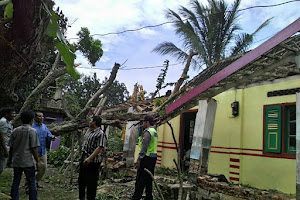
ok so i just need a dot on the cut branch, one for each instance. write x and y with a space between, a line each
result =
112 77
184 72
72 125
100 106
53 74
156 185
127 116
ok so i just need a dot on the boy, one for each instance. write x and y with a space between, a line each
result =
23 145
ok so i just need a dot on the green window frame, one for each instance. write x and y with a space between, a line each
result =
280 129
290 127
273 129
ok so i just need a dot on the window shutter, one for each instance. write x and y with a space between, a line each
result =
273 129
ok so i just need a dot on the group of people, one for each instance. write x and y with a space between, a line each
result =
24 148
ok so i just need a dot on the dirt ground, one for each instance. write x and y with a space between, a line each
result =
120 186
56 186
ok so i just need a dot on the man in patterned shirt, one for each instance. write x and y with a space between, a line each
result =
6 129
94 143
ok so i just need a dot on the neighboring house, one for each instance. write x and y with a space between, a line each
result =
53 112
247 129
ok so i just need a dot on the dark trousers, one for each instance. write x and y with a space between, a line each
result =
143 179
88 179
30 177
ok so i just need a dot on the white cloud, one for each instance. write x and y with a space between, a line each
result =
90 72
105 59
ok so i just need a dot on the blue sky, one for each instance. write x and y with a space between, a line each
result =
118 15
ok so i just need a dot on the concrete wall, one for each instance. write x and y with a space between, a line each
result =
298 145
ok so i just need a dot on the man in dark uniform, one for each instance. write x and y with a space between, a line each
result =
146 159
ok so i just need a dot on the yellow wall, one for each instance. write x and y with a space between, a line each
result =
165 135
244 134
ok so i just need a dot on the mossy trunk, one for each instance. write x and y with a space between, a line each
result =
21 42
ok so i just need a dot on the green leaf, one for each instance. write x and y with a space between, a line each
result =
9 11
61 37
53 27
68 57
4 196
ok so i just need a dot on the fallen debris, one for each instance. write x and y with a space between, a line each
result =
217 187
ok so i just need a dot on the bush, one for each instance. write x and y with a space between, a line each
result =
115 144
58 156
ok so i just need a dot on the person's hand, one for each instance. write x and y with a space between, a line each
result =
53 138
137 164
87 161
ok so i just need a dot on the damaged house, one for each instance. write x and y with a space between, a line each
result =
236 118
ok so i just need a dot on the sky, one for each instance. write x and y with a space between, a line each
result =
110 16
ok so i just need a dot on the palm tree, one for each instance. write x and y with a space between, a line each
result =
207 33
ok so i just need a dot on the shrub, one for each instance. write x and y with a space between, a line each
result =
115 144
58 156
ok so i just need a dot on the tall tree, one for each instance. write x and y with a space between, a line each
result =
90 47
207 33
30 35
21 41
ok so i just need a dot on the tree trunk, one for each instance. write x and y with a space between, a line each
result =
72 125
184 72
100 91
20 44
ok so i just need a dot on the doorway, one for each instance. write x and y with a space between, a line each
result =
188 120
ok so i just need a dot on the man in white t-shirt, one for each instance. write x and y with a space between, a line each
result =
6 129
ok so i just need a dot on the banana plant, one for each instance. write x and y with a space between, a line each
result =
66 50
9 9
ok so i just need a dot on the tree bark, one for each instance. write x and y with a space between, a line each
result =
20 44
184 72
125 116
72 125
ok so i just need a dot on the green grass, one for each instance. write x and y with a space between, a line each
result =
56 186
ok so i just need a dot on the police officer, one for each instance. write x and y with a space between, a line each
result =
146 159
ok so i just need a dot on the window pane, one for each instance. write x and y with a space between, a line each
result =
292 144
292 129
292 113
